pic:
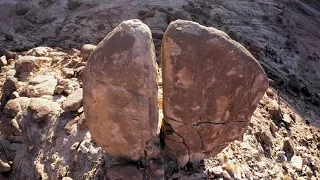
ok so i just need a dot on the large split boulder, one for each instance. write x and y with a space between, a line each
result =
120 91
212 85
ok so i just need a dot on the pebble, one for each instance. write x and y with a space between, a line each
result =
226 175
296 162
217 171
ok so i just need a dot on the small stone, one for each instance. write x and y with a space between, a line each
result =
39 51
74 52
59 89
74 147
309 137
293 116
270 93
67 178
82 123
10 85
266 138
287 119
41 85
86 50
288 146
273 127
7 53
22 8
14 95
27 65
4 166
274 110
217 171
9 37
73 4
307 170
73 101
296 162
226 175
67 72
294 83
3 61
70 86
43 109
281 156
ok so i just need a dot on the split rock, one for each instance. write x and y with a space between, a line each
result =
120 91
211 84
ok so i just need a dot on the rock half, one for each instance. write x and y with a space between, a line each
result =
120 91
211 84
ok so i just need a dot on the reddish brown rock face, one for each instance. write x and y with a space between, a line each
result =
120 91
211 87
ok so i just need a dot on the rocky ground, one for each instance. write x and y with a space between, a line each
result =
44 133
43 130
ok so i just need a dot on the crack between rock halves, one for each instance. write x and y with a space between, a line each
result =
204 122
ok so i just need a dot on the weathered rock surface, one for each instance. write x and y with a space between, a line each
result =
211 87
39 51
27 65
41 85
43 109
73 101
10 85
119 90
86 50
3 61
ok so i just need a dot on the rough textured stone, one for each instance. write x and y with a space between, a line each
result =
4 166
43 109
3 61
10 85
86 50
42 85
120 91
288 146
39 51
72 4
26 65
22 8
67 72
73 101
296 162
211 87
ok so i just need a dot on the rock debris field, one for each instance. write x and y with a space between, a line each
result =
153 100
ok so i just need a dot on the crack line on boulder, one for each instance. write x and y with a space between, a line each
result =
183 141
206 122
